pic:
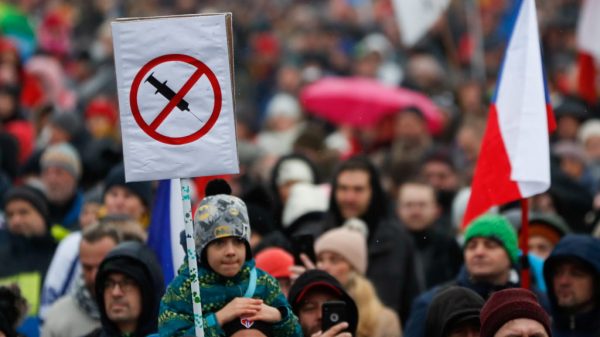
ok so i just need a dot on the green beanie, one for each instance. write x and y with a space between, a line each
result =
495 227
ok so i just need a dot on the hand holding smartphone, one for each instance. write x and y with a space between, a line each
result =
332 313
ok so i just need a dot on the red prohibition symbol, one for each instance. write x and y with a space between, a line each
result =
176 100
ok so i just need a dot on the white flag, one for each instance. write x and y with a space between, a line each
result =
415 17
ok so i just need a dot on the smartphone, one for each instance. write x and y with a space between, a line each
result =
304 243
333 312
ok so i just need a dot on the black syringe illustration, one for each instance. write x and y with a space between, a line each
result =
167 92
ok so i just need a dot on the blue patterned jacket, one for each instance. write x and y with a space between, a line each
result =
176 313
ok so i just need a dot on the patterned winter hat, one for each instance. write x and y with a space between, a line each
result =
220 216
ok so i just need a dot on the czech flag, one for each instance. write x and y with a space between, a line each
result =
165 225
588 44
514 162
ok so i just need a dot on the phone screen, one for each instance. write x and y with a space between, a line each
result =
303 244
333 312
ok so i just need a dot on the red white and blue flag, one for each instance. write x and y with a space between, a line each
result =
588 44
514 162
166 224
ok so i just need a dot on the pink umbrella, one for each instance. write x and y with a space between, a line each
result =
363 102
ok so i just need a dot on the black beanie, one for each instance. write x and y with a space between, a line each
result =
116 177
30 194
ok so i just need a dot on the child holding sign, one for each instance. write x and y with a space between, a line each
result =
235 295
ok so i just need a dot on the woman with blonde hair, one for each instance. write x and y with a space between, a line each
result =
342 252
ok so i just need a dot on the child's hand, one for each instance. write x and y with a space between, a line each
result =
238 307
266 314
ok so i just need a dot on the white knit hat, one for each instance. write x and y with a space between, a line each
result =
589 129
348 242
294 169
303 199
284 105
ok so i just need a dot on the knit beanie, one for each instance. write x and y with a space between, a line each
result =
498 228
304 198
33 196
509 304
102 107
116 177
294 169
284 105
220 216
64 156
347 242
275 261
68 122
550 226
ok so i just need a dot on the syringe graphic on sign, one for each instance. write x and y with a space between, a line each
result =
168 93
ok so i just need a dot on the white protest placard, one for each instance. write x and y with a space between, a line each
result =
175 87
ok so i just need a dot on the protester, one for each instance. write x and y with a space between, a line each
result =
129 199
13 308
342 252
437 255
277 263
514 312
226 269
491 256
26 246
572 272
307 295
545 231
357 192
454 312
77 314
61 170
287 171
128 288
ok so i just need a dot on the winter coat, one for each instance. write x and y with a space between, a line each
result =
450 305
25 260
176 312
390 248
438 257
62 272
138 262
415 327
65 218
391 266
586 249
66 319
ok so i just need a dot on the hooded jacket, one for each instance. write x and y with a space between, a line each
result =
176 311
415 327
587 250
318 278
390 248
450 307
138 262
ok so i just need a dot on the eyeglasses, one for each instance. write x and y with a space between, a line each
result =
126 284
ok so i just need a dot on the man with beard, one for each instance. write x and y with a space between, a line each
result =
357 193
128 289
572 273
77 314
491 254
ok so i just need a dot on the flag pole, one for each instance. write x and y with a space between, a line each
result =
525 279
191 257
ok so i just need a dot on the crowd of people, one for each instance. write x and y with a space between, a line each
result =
379 205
